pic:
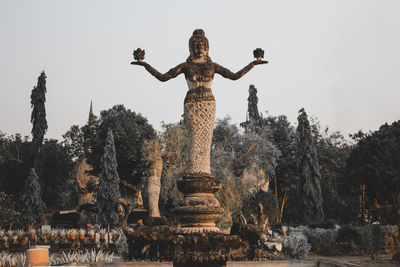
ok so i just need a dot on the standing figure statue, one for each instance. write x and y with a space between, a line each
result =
200 209
154 158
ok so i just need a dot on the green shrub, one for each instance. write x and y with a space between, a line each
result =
295 245
323 241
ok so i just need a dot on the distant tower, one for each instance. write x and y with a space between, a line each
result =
92 117
82 175
253 118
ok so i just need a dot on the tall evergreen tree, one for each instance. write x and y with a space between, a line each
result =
109 195
32 203
309 177
38 116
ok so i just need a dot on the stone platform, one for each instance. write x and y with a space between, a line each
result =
312 260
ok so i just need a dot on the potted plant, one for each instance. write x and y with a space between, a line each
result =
72 234
32 234
82 233
92 235
63 234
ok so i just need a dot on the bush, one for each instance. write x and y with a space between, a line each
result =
322 241
122 246
295 245
353 240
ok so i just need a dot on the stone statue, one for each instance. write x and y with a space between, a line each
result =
153 156
200 209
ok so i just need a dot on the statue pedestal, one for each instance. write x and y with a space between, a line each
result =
199 209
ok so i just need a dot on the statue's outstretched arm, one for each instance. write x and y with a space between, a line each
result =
172 73
226 73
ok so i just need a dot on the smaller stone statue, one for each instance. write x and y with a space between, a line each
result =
154 182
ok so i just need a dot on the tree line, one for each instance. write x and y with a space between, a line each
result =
312 175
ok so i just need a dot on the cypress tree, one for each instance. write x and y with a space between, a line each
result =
309 177
108 195
38 116
32 203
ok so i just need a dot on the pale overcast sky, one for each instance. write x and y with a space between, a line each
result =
340 60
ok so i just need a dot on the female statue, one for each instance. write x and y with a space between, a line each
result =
199 105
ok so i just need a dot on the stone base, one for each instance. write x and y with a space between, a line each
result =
199 210
162 243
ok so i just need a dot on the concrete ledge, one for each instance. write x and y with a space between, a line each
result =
325 263
270 263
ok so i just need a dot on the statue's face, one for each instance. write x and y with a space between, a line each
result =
199 49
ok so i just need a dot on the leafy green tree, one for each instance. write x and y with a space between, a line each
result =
3 145
108 196
38 116
55 166
174 148
309 177
74 141
8 214
17 160
284 138
241 162
375 162
130 130
32 203
333 151
78 140
57 175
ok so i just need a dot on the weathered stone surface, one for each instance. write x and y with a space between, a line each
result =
154 181
161 243
199 114
199 210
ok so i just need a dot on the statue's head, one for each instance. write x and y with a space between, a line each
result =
198 46
252 89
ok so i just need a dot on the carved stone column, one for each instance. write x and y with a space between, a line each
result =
200 209
154 181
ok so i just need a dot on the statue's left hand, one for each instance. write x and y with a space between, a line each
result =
258 62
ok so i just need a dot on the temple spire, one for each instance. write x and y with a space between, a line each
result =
92 117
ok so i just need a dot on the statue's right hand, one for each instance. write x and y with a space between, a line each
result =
140 63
